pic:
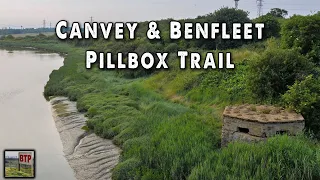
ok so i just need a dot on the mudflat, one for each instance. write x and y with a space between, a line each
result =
90 156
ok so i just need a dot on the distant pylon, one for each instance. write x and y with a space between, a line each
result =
259 5
91 19
44 24
236 3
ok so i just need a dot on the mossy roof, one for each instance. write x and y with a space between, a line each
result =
262 113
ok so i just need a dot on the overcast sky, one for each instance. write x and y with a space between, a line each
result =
14 153
31 13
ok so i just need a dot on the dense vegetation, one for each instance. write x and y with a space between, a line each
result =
278 158
168 122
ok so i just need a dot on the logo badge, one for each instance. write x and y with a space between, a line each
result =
19 163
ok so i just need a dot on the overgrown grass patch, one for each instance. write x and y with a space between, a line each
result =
281 157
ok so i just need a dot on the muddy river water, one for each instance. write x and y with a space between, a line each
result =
26 120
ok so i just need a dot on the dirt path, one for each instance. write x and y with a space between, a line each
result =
90 156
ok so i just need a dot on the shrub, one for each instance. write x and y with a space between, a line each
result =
9 37
278 13
304 97
229 16
302 32
272 26
275 70
227 86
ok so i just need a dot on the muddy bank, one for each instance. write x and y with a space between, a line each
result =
90 156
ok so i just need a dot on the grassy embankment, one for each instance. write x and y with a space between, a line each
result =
168 124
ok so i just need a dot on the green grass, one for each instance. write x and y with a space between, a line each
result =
13 172
280 157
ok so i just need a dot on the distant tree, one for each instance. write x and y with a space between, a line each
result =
302 33
229 16
277 12
272 25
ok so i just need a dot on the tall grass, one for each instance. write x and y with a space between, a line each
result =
280 157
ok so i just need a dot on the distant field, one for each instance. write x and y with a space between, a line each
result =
12 162
32 34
